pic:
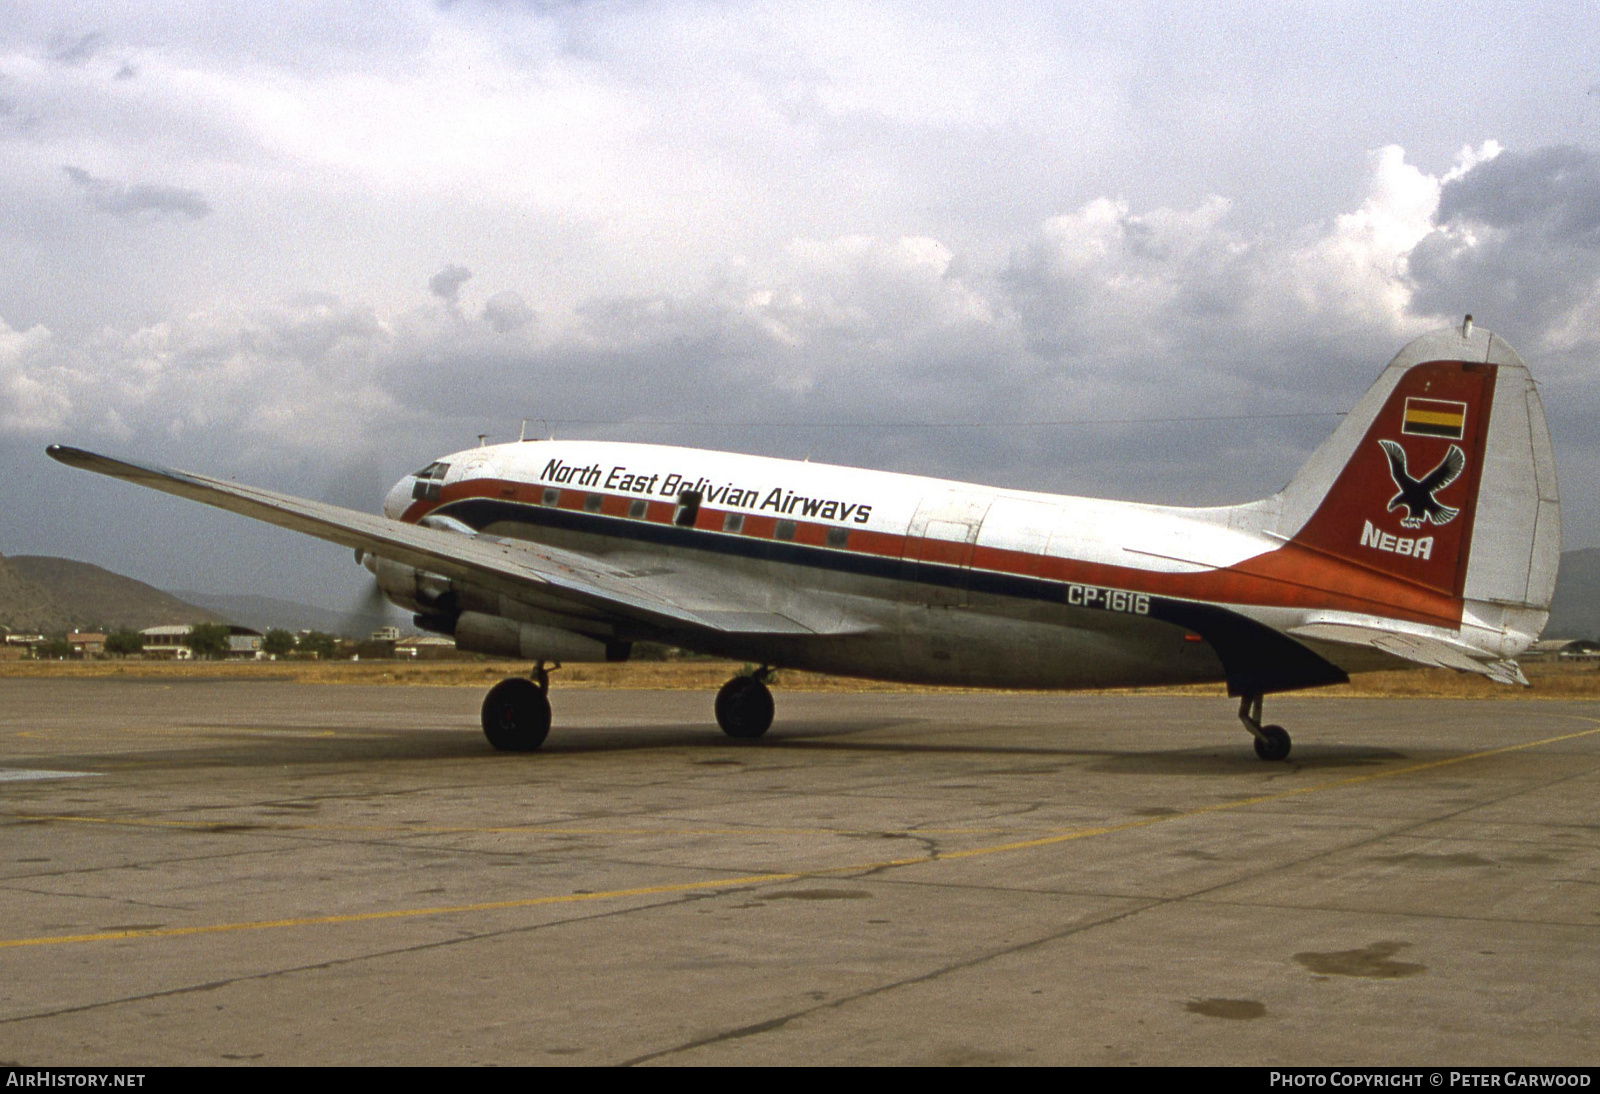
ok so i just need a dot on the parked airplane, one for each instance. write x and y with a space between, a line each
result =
553 551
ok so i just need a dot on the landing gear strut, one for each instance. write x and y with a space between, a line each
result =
1272 742
744 705
516 712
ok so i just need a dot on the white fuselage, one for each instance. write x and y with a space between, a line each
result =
886 575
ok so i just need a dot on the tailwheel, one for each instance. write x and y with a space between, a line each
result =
1272 742
516 715
744 706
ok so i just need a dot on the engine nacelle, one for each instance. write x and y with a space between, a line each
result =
407 586
477 632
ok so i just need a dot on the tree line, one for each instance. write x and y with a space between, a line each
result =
205 641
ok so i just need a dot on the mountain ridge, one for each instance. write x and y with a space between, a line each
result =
80 595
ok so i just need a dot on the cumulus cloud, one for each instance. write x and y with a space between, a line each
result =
446 284
777 214
74 51
276 386
506 312
32 395
139 200
1519 236
867 349
1104 312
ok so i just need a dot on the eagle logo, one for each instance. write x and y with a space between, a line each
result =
1417 494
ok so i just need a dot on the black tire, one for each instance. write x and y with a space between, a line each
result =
1273 744
516 715
744 707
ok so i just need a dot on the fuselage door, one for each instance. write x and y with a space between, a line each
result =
939 546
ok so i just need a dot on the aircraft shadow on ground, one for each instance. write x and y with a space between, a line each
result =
1218 759
220 747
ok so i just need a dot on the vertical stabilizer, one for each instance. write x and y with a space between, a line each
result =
1443 478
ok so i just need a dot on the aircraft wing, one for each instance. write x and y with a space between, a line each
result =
1417 648
512 567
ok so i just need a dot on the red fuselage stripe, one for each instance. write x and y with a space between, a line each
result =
1290 576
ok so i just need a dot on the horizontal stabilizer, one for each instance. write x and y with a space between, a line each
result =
1420 649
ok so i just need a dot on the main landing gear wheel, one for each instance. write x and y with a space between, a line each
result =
744 706
1272 742
516 715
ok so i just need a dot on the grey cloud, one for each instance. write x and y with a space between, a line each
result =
446 284
314 298
140 199
319 328
75 51
126 72
1517 243
1555 190
506 312
1108 312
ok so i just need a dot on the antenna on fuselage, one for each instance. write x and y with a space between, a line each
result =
522 433
481 438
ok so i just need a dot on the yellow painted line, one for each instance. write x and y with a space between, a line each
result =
759 879
399 913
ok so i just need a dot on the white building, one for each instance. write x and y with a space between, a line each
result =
244 644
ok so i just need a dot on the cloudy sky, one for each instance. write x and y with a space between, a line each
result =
312 246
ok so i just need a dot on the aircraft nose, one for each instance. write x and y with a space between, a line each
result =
399 496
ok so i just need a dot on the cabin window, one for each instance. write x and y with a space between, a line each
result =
552 496
838 537
593 502
733 522
637 508
688 509
784 530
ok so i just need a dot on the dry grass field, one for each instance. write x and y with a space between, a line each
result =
1550 680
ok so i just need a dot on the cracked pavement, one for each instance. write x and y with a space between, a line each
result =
265 872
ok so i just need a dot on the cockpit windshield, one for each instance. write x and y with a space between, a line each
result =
429 481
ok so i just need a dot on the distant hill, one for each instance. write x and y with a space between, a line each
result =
85 595
25 606
1575 613
264 613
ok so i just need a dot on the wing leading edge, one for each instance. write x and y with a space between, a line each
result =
509 567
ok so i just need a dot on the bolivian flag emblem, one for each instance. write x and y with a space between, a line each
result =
1434 418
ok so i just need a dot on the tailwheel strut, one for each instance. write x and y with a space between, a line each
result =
1272 742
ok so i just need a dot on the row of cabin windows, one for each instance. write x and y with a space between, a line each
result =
688 509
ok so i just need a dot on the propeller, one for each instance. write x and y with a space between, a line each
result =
369 610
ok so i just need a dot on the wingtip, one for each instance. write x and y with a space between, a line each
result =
62 453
